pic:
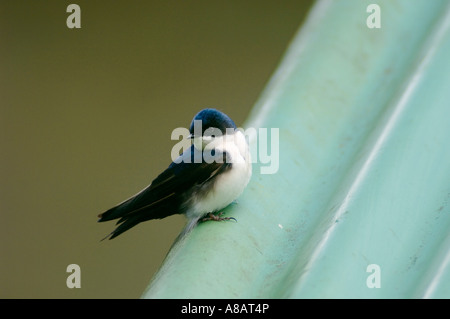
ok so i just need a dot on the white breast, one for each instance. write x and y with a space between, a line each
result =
229 185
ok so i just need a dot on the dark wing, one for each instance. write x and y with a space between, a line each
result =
166 194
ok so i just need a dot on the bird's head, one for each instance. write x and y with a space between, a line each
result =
209 124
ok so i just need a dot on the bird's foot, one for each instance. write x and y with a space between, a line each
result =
217 218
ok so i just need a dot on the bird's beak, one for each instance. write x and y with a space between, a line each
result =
197 141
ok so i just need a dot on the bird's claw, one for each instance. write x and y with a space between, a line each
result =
218 217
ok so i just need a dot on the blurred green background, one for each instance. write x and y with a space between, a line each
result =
86 116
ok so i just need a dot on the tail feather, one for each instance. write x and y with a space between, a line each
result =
124 226
129 214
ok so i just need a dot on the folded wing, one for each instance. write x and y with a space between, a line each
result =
168 192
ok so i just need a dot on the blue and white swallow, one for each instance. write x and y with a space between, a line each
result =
204 179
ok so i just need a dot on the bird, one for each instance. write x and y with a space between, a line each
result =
207 177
